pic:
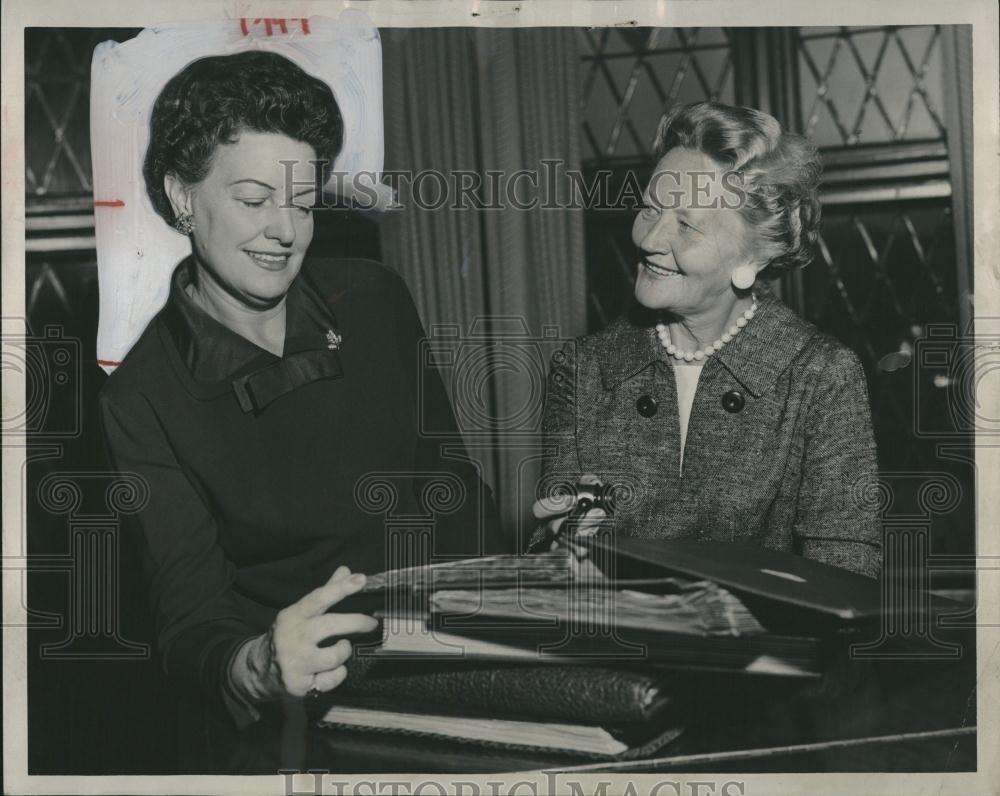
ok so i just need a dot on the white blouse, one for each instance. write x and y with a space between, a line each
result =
687 383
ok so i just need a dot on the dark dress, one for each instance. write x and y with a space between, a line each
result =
255 468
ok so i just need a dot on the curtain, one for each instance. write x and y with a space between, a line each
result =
507 282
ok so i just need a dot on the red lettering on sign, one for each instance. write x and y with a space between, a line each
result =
271 23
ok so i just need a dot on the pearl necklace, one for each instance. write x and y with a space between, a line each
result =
697 356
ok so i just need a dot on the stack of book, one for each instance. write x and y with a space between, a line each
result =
577 651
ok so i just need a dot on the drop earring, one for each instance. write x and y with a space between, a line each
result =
184 224
744 276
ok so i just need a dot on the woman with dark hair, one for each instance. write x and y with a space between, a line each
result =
736 419
269 385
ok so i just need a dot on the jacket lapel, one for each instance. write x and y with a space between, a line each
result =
625 350
756 357
766 346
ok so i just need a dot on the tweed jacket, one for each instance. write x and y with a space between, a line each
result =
779 447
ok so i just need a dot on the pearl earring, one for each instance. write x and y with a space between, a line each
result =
744 276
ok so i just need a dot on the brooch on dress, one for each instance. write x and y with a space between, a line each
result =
333 340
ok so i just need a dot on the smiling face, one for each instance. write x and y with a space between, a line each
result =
252 224
690 236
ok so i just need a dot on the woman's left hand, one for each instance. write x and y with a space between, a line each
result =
288 659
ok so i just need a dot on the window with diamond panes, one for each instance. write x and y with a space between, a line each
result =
61 274
631 76
57 109
872 100
883 275
871 85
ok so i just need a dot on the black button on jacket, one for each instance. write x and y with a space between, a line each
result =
253 461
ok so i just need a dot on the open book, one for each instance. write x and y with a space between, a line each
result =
553 568
560 588
559 606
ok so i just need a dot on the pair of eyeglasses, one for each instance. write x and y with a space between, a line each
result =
588 496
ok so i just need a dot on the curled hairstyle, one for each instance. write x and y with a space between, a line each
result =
778 174
212 100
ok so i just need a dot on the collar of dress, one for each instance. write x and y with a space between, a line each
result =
756 357
218 359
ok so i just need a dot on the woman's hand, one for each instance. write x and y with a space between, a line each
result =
287 660
557 508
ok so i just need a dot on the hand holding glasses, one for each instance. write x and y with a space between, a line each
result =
578 514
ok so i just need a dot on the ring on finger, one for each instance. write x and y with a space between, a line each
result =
313 691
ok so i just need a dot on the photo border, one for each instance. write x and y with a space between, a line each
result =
981 14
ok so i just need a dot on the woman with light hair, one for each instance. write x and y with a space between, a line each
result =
737 419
